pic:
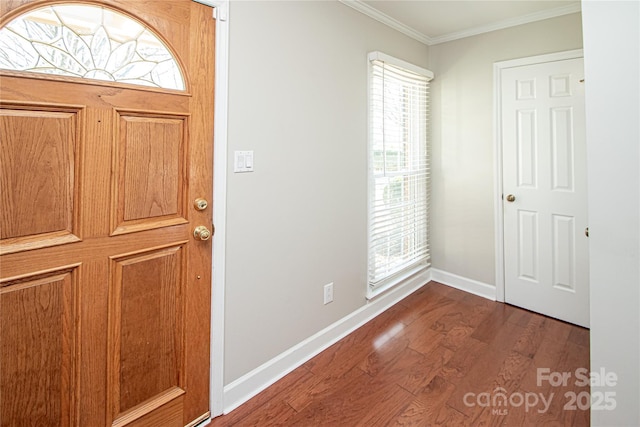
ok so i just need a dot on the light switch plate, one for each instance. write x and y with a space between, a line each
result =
243 161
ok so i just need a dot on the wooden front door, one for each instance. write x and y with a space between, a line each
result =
104 289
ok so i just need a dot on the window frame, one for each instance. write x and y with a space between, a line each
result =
423 262
62 43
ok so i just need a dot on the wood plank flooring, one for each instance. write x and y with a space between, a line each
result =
440 357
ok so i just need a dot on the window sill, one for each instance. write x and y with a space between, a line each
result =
404 276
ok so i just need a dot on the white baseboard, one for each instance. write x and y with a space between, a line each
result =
464 284
252 383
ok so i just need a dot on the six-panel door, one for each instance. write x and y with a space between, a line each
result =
544 171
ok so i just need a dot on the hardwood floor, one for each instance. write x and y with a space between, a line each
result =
440 357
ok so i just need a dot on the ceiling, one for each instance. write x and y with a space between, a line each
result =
437 21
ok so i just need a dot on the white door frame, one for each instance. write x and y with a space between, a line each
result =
498 67
216 387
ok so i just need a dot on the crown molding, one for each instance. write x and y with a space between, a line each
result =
374 13
507 23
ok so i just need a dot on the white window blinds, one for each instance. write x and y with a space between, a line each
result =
398 170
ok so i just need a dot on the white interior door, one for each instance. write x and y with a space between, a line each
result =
544 189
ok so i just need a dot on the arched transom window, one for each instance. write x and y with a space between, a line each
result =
88 41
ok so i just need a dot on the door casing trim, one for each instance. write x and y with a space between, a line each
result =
216 388
498 67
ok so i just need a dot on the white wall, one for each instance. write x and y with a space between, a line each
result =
298 98
462 234
612 72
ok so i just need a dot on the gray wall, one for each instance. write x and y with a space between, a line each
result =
462 234
298 98
612 71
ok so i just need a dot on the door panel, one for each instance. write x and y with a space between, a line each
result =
544 168
562 150
98 254
39 176
528 254
526 149
146 311
564 263
38 346
150 182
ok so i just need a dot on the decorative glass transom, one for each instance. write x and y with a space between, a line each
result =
88 41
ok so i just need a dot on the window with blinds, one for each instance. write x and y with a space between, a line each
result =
398 171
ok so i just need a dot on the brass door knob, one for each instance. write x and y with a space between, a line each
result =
200 204
201 233
511 198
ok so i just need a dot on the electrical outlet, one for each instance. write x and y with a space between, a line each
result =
328 293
